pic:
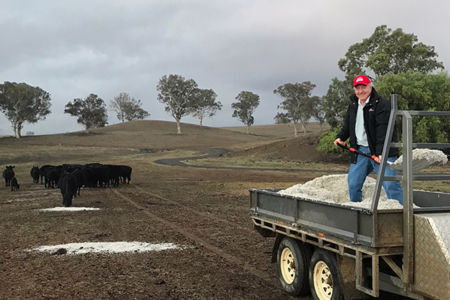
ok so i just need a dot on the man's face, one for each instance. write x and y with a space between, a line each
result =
362 91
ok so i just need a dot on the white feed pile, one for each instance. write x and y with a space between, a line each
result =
69 209
105 247
334 189
422 158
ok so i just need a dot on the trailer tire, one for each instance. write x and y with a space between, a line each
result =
292 266
324 276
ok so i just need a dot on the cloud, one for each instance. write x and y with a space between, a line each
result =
107 47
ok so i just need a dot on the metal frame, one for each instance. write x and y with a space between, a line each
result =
406 178
284 217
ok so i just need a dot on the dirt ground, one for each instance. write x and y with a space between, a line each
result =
203 210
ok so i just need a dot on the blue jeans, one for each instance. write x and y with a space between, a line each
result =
363 167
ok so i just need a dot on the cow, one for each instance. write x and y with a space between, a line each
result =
43 170
125 174
113 175
68 185
52 175
8 174
14 184
34 172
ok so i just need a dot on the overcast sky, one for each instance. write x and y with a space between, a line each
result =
74 48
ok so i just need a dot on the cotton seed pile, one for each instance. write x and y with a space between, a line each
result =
422 158
334 189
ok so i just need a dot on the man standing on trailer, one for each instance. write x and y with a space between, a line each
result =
366 123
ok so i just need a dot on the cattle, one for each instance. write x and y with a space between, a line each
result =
125 174
68 185
113 175
14 184
8 174
34 172
52 175
43 170
71 167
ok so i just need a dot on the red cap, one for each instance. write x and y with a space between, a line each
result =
361 79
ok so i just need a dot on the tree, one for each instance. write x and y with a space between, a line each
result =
244 108
282 118
297 102
22 103
91 112
178 96
335 102
318 111
205 104
418 91
127 108
387 51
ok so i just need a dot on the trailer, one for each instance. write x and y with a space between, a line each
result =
336 251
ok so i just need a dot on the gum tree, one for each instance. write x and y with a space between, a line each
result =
22 103
178 96
127 108
205 104
297 104
244 108
386 51
91 112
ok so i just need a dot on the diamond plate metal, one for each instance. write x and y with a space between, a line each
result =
432 259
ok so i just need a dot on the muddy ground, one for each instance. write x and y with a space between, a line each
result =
205 211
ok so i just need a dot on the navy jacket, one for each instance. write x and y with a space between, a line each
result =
376 119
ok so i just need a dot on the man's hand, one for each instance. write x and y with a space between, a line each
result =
377 159
337 141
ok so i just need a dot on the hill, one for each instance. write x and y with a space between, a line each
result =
280 130
294 149
149 135
267 142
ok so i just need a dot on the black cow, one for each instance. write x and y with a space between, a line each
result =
52 175
68 185
113 175
8 174
43 170
34 172
14 184
125 174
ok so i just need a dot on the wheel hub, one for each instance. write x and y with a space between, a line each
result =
287 265
323 281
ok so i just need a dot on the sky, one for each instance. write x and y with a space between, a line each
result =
74 48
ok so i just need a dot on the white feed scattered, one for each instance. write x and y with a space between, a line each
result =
69 209
334 189
105 247
422 158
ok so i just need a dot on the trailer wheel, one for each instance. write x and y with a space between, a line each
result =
324 277
292 265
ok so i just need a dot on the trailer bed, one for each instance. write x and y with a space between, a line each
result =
355 225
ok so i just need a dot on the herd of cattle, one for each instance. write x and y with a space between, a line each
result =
70 178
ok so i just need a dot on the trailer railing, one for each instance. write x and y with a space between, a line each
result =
406 178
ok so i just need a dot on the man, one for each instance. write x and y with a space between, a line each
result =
366 124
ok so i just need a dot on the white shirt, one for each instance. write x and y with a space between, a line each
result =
361 136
